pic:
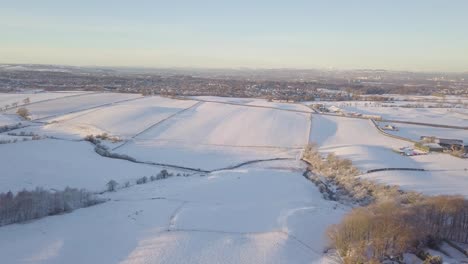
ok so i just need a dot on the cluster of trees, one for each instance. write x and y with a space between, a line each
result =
104 136
104 150
387 230
392 222
27 205
24 113
163 174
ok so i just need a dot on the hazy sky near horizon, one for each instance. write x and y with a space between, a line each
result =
428 35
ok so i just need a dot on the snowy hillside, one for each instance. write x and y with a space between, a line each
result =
237 191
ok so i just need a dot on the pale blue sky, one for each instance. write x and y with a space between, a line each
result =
403 35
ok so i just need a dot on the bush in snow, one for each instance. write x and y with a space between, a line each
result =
27 205
23 112
111 185
163 175
433 260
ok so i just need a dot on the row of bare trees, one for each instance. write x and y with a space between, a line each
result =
339 172
26 205
15 104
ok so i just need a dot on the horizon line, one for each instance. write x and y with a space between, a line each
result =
233 68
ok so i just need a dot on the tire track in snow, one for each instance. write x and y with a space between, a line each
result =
175 214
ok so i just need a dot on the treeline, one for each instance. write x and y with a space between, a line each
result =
338 179
385 231
392 222
27 205
113 185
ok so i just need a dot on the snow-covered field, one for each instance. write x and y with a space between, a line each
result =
205 157
56 164
443 116
12 119
359 141
255 102
220 218
218 124
10 98
123 119
70 104
212 136
414 132
251 207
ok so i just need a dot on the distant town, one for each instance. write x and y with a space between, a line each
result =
279 84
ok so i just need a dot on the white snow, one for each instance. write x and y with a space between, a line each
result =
122 119
255 102
57 164
444 116
66 105
414 132
359 141
206 157
212 136
10 119
10 98
262 212
221 218
219 124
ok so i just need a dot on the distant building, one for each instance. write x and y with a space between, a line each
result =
433 147
390 127
446 143
449 143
